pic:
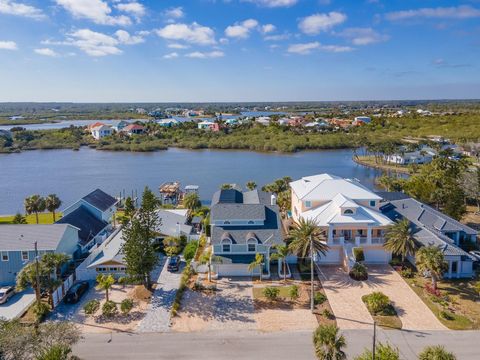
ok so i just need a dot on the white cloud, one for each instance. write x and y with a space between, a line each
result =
8 45
94 43
241 30
316 23
171 55
193 33
307 48
303 49
277 37
273 3
454 12
205 55
15 8
268 28
174 13
134 8
177 46
125 38
97 11
363 36
46 52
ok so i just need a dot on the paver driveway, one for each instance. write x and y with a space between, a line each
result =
345 297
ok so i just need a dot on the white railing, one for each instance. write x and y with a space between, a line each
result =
240 249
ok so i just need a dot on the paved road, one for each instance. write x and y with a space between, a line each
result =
17 305
157 318
243 345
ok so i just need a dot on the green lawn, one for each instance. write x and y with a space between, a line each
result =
43 218
283 294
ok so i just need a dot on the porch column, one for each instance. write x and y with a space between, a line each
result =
330 235
449 269
369 235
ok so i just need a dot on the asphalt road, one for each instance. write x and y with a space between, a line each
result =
254 345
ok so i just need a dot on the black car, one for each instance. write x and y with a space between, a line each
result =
173 263
76 292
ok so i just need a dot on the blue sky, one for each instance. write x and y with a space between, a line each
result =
238 50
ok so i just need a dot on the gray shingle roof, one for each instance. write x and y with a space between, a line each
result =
227 196
100 199
168 223
237 211
23 237
88 224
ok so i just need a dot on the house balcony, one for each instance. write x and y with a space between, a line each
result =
239 249
357 240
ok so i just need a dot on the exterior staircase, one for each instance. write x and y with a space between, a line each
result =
348 259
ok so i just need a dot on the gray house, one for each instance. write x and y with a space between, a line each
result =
243 224
17 245
431 227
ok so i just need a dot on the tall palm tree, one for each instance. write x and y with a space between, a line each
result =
329 343
208 259
192 202
282 253
52 203
105 282
251 185
307 240
432 260
399 239
34 204
27 277
258 262
55 261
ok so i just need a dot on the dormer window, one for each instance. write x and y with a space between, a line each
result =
251 222
226 223
252 245
308 204
348 212
372 203
226 243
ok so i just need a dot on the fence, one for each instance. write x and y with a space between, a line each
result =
61 291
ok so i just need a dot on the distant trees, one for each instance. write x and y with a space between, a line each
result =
19 219
52 203
34 204
251 185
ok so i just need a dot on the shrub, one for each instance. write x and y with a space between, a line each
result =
383 352
437 352
319 298
109 309
294 292
359 272
358 254
376 302
445 315
327 314
395 261
271 292
91 307
126 306
40 309
190 249
429 288
407 273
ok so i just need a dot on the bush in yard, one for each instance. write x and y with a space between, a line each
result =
40 310
329 343
431 290
358 254
445 315
359 272
294 292
126 306
382 352
376 302
271 292
319 298
109 309
190 249
407 273
91 307
327 314
437 352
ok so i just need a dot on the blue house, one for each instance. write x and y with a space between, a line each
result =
92 215
17 246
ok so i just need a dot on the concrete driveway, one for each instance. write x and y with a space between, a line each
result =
17 305
345 297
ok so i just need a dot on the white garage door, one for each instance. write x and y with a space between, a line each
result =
377 256
234 270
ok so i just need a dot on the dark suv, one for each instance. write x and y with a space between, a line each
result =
173 263
76 292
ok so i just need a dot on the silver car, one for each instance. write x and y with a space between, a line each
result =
6 293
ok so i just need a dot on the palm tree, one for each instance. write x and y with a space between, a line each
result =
34 204
437 352
55 261
431 259
27 277
282 253
105 282
308 239
192 202
399 239
52 203
251 185
208 259
258 262
329 343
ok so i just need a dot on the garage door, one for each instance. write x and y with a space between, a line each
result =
377 256
234 270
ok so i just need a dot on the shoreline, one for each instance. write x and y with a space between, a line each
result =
357 159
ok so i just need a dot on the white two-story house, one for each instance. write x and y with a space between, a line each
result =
348 213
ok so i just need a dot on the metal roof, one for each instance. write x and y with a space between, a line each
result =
100 199
84 220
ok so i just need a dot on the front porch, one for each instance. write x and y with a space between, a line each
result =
341 235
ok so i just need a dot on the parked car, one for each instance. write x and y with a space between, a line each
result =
76 291
6 293
173 263
475 254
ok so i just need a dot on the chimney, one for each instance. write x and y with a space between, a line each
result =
273 200
178 228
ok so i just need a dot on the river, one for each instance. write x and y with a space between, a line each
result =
72 174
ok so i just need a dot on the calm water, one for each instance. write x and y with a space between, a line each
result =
72 174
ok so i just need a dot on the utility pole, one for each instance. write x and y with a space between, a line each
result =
37 275
374 338
312 304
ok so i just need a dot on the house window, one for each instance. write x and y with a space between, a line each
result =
308 204
348 212
454 266
226 247
372 203
251 222
226 222
25 255
252 245
5 256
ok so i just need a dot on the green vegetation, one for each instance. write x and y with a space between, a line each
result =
329 343
43 218
283 293
257 263
294 292
91 307
109 309
432 260
319 298
358 272
400 240
358 254
382 310
190 249
271 292
382 352
126 306
282 252
437 352
186 274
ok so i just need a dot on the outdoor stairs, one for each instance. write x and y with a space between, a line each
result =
348 259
